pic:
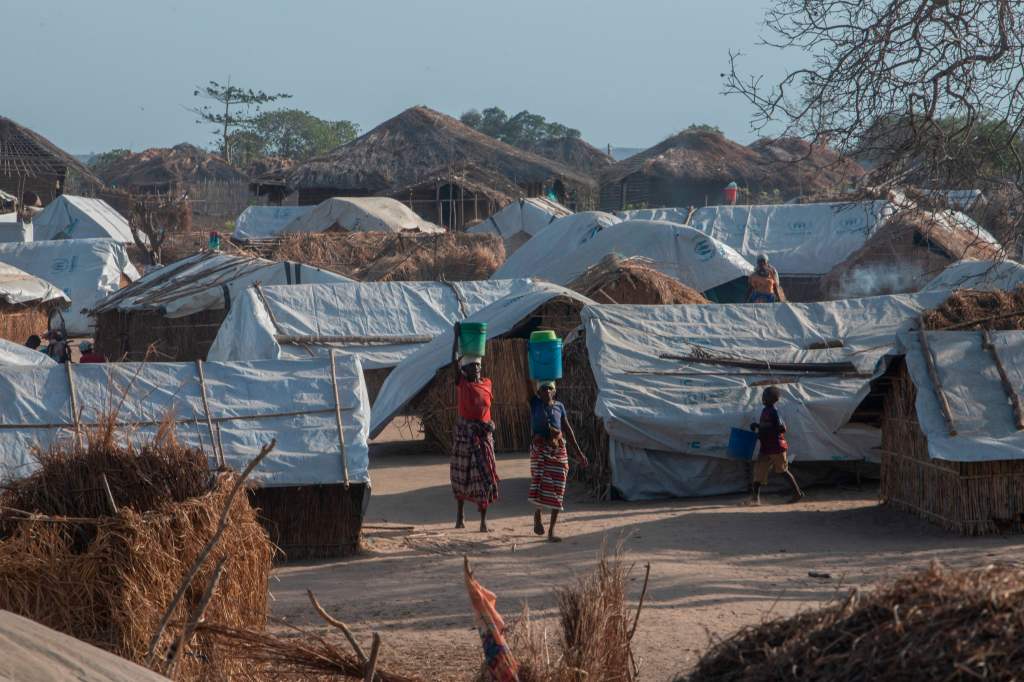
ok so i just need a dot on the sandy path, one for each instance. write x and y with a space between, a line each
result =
715 565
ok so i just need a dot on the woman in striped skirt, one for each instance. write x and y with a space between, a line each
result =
549 458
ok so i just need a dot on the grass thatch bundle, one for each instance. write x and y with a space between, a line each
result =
973 498
976 310
18 322
395 257
632 281
939 624
70 563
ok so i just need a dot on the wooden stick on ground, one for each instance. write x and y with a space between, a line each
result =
1018 413
371 665
640 604
360 654
933 373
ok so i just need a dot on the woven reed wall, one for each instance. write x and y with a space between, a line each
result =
312 521
18 322
128 335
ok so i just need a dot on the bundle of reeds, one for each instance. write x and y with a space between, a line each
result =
578 391
974 310
939 624
632 281
973 498
70 561
390 257
312 521
18 322
143 334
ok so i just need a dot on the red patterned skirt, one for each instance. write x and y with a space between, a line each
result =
549 469
474 472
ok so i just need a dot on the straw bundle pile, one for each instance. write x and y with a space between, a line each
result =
632 281
18 322
129 335
391 257
973 498
976 310
71 564
938 624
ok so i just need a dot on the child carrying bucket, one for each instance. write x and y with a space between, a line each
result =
771 431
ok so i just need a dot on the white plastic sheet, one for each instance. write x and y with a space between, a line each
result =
360 214
521 220
985 275
356 309
557 241
86 270
252 402
13 230
18 286
673 409
263 222
982 413
16 354
72 217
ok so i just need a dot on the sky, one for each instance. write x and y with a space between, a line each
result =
104 74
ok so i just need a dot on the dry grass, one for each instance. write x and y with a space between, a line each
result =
938 624
632 281
18 322
390 257
993 310
68 562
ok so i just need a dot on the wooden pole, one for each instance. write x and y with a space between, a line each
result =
74 402
933 373
218 452
110 494
341 338
197 616
337 413
1011 392
371 665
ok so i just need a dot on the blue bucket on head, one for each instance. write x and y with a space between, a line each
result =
545 360
741 443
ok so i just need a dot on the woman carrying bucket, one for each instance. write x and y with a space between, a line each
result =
549 457
474 473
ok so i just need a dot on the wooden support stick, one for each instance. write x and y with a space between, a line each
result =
371 665
640 604
110 494
819 367
193 622
74 403
217 451
1018 412
360 654
339 338
337 413
933 373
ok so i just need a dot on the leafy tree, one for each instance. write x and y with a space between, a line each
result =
240 107
298 134
523 130
704 128
101 162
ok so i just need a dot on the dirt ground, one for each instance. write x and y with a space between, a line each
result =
715 565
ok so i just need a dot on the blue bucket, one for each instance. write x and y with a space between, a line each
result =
741 443
545 359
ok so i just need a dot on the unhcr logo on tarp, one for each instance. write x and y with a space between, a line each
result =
64 264
704 248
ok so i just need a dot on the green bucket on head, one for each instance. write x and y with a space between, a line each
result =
542 335
473 338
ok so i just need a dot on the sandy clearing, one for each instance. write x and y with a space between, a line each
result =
715 565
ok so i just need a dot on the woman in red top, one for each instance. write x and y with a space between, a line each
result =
474 472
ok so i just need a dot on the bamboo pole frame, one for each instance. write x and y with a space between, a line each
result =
337 413
214 436
74 402
1018 413
933 373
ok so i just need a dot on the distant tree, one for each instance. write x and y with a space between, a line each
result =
298 134
101 162
523 130
240 108
703 128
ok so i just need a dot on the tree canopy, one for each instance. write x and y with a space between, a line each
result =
290 133
522 130
240 108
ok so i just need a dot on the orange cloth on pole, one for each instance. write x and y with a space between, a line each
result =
489 623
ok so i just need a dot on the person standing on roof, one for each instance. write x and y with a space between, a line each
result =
89 354
474 472
549 457
763 283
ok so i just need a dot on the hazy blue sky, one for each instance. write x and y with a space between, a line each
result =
97 74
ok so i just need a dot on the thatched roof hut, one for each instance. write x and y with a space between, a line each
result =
632 281
401 151
457 198
692 168
574 153
163 170
26 303
31 163
269 178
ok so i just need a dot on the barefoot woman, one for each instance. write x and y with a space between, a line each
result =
474 473
549 459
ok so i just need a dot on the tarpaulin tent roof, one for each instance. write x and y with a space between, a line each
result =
986 275
382 322
16 354
521 220
85 269
985 423
13 230
250 403
262 222
555 242
208 281
417 370
71 217
678 251
360 214
18 287
669 418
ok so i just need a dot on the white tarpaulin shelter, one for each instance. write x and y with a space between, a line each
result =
986 275
983 415
555 242
799 239
16 354
678 251
71 217
13 230
669 215
669 419
18 287
86 270
250 403
360 214
417 370
208 281
960 199
381 322
521 220
263 222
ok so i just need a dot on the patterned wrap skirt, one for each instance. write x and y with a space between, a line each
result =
474 472
549 469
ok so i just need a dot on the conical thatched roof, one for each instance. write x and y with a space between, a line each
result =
632 281
159 169
789 165
575 153
24 152
400 151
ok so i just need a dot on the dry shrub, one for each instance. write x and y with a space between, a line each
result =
939 624
106 578
995 310
395 257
